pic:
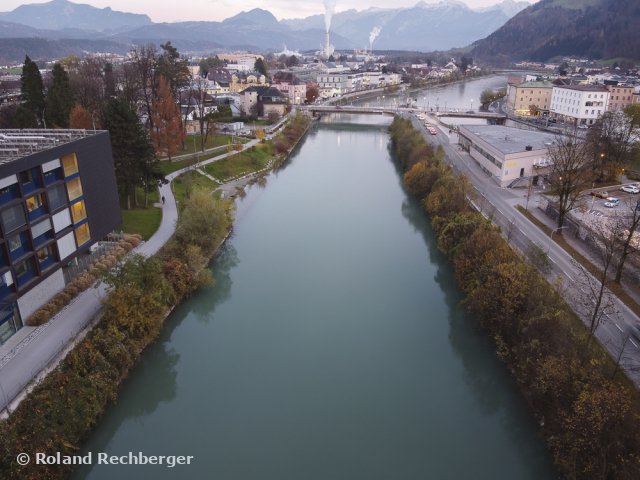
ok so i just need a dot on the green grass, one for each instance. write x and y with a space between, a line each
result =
252 160
216 140
167 167
144 221
190 180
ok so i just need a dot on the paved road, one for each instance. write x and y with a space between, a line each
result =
612 333
33 349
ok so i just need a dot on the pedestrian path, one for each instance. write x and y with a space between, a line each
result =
33 350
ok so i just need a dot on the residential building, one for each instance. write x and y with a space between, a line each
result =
241 80
506 153
261 101
579 104
291 86
58 196
620 97
524 97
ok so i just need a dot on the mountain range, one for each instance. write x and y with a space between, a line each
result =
597 29
423 27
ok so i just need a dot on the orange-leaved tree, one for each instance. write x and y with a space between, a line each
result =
166 133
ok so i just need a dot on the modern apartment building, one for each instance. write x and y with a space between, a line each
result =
579 104
58 196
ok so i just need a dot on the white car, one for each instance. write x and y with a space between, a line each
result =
612 202
630 189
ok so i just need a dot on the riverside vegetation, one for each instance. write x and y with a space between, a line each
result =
588 412
59 413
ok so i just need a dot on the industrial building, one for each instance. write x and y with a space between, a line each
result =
58 196
506 153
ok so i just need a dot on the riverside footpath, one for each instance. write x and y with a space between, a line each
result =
34 351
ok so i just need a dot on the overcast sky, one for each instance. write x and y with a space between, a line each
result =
172 10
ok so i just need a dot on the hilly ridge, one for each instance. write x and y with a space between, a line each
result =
597 29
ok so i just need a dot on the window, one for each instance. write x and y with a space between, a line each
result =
24 270
34 202
57 197
74 188
14 243
82 234
12 218
25 177
78 211
70 164
53 175
45 254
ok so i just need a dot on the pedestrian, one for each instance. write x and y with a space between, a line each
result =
163 199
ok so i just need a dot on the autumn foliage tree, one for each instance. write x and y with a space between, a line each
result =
80 117
167 133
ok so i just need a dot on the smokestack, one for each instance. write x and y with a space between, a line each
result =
327 48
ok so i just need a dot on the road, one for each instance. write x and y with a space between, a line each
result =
613 332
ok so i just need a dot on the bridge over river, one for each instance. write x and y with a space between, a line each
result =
498 118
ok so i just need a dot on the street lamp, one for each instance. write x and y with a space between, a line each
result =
551 237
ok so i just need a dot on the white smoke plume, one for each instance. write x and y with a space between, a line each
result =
373 35
329 9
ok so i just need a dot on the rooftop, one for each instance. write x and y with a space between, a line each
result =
584 88
509 140
16 144
535 84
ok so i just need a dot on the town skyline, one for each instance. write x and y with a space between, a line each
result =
218 10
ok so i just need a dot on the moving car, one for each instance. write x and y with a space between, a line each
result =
630 189
612 202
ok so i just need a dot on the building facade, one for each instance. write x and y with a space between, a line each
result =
58 196
579 104
506 153
620 97
529 98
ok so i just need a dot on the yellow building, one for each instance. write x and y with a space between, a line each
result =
620 97
522 97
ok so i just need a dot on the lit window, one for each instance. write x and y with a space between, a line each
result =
70 164
34 202
45 254
78 211
74 188
82 234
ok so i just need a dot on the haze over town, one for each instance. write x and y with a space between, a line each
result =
166 11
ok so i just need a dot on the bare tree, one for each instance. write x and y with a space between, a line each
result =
570 173
627 225
610 142
145 61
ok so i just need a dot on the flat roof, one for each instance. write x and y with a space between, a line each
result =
19 143
509 140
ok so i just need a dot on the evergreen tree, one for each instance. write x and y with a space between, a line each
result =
109 81
174 69
32 90
132 153
260 66
59 99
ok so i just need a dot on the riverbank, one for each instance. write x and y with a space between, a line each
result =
587 412
59 413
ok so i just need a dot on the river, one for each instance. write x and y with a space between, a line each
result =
332 346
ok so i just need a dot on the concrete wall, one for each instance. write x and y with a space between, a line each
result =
35 298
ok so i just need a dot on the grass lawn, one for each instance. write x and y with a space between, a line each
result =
144 221
190 180
252 160
167 167
216 140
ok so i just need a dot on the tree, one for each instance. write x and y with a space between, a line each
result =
260 66
80 117
292 61
87 82
145 60
627 226
312 92
59 99
32 89
166 134
132 152
570 173
109 80
209 63
610 141
465 62
173 68
534 111
203 218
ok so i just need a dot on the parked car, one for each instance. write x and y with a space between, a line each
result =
600 194
630 189
612 202
583 127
